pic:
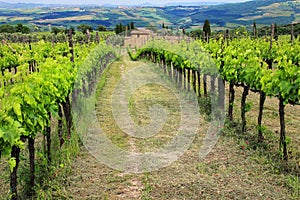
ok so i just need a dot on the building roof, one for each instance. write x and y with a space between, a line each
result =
141 31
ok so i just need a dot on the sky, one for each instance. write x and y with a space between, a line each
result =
114 2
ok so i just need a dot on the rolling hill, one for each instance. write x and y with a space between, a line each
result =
229 15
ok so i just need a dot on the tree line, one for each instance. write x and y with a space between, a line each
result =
83 28
19 28
256 31
122 28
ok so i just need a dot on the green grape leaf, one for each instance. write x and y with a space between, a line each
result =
12 164
18 112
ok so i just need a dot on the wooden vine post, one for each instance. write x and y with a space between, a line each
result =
48 140
231 90
184 79
194 80
15 153
31 149
164 66
175 74
199 82
60 126
189 79
243 107
231 101
262 95
262 99
170 70
67 104
70 33
221 88
97 39
205 85
180 77
212 83
221 82
282 141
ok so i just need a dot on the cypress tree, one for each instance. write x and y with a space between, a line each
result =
206 29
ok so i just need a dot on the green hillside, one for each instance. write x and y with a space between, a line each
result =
264 12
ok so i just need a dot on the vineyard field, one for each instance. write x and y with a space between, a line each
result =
233 169
83 117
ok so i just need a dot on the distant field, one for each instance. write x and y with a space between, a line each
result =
82 18
221 16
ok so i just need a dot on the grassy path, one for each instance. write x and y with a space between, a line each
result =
228 172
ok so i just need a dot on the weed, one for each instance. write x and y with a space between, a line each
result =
293 182
147 187
205 106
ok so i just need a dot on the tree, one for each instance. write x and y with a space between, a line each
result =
118 28
68 29
254 29
196 33
22 29
206 29
101 28
7 28
123 28
19 28
56 30
132 26
84 27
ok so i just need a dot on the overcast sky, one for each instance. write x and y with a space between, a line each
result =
115 2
